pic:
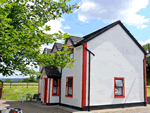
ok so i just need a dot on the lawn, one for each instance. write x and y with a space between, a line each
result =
13 92
148 91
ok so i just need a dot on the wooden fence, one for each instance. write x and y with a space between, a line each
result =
19 84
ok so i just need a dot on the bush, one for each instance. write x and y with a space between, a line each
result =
19 81
25 80
8 80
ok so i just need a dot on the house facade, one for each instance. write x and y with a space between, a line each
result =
114 77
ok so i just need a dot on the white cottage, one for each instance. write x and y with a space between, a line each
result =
109 72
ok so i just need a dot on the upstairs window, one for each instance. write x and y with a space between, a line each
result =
72 52
119 89
69 87
55 88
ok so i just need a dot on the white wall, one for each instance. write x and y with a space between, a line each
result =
43 85
76 72
116 55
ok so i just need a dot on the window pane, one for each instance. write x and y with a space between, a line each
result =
70 91
55 81
118 91
55 90
71 55
69 82
119 82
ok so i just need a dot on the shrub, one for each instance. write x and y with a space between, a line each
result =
19 81
25 80
8 80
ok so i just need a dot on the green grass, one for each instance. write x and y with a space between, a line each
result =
148 91
13 93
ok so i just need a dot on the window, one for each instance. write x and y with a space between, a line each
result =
55 89
71 54
69 87
119 89
72 50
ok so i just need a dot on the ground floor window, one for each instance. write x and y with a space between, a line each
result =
69 86
119 89
55 87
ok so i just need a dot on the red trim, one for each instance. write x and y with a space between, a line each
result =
123 87
145 78
66 87
73 50
84 70
53 88
49 90
45 93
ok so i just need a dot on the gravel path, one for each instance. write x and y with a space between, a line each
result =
30 107
34 107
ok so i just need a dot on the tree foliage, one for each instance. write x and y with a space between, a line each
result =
19 81
22 25
25 80
8 80
31 79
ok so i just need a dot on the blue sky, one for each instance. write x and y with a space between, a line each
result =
95 14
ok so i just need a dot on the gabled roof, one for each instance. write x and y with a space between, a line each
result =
75 39
58 46
48 50
102 30
51 72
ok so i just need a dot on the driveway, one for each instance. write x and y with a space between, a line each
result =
34 107
37 107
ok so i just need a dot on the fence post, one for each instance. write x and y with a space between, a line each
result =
10 84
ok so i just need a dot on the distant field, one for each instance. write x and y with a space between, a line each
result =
13 92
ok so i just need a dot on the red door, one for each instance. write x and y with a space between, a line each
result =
45 90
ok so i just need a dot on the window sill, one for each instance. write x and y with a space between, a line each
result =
55 94
69 96
119 97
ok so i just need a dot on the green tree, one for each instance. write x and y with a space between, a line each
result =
32 79
19 81
25 80
8 80
22 33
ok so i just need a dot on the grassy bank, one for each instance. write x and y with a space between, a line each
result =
13 93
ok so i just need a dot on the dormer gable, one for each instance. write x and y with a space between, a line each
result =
72 40
56 47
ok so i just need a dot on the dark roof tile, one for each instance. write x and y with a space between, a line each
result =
59 46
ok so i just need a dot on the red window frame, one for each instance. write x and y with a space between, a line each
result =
66 95
57 89
72 50
122 78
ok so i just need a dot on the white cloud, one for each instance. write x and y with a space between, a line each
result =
45 46
66 27
142 26
56 25
112 10
143 43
